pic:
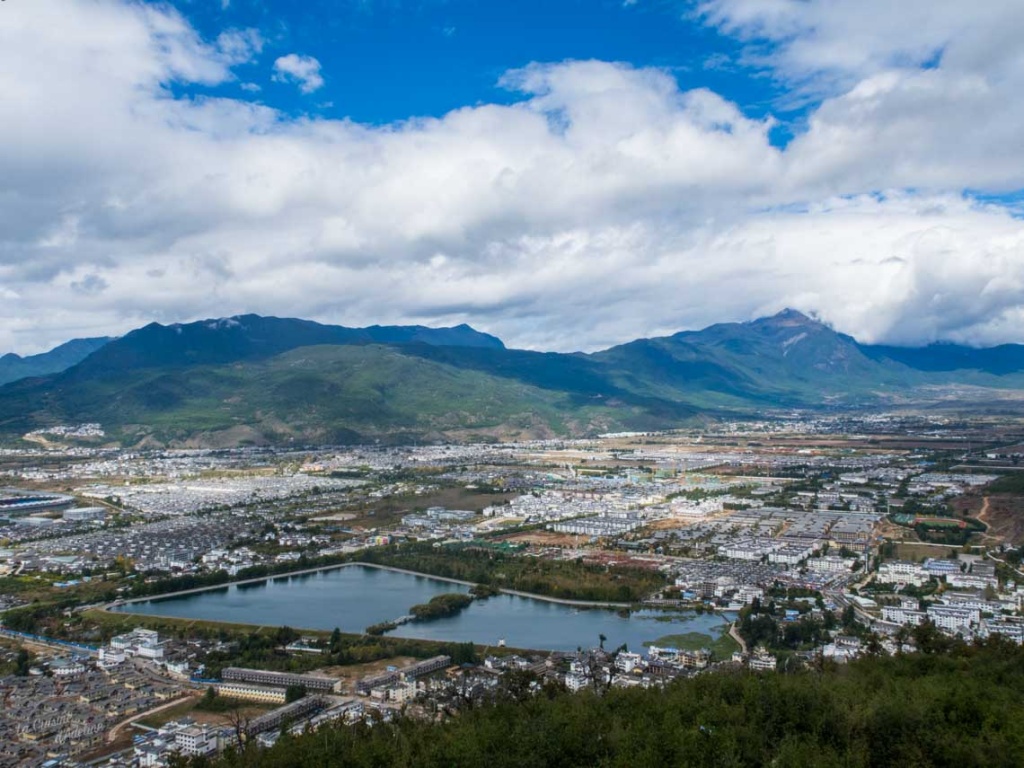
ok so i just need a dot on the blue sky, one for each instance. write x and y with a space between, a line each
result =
390 60
565 174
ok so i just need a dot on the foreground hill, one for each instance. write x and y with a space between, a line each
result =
961 709
252 379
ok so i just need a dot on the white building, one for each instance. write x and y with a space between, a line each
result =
831 564
762 661
111 657
953 619
790 555
251 692
970 581
196 740
902 572
627 662
67 667
575 682
899 615
144 643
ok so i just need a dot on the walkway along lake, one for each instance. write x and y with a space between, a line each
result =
354 597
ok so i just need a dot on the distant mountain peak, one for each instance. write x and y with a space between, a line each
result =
217 341
788 317
14 367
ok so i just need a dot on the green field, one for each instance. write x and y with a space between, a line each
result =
721 648
940 522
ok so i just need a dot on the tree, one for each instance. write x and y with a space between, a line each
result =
286 635
849 617
294 693
874 645
22 663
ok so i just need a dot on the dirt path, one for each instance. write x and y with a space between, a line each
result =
112 734
984 510
986 536
738 637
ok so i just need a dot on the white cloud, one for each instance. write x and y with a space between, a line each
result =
849 40
239 45
605 203
916 93
304 70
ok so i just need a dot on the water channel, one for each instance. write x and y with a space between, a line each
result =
355 596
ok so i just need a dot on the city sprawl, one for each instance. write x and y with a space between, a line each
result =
798 542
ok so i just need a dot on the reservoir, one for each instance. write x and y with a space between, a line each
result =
354 597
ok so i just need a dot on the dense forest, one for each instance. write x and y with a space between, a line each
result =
961 706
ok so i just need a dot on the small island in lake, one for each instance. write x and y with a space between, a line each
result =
441 606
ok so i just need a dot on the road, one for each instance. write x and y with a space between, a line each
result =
734 633
41 642
841 600
113 732
1000 560
153 672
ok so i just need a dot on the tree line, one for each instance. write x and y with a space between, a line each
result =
958 705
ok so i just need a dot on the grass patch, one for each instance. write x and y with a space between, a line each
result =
1013 483
721 647
165 716
918 551
117 623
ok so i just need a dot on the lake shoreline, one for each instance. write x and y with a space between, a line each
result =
376 594
319 569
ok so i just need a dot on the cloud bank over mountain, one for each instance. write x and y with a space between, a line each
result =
599 203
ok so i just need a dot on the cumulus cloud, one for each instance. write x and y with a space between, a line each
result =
916 93
603 203
304 70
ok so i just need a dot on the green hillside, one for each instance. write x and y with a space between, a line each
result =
323 394
255 380
14 367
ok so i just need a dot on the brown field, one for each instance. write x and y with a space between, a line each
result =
1003 514
350 674
545 539
380 512
918 550
247 711
337 517
669 523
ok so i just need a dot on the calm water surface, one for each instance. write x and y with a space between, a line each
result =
354 597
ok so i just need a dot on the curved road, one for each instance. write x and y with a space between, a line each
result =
113 732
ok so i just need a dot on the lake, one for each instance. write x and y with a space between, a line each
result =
355 596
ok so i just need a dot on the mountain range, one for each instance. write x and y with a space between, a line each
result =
256 380
14 367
